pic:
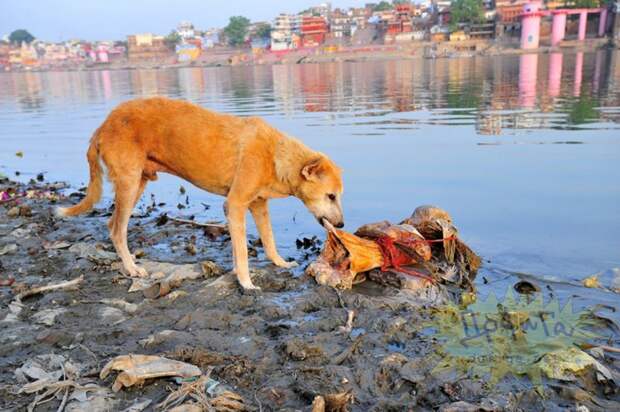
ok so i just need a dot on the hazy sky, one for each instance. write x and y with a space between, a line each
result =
56 20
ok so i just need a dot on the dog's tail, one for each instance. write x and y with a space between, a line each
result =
93 192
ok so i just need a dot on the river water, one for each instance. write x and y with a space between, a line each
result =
523 151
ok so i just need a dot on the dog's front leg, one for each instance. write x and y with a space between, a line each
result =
260 213
236 226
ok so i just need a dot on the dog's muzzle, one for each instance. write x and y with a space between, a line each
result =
338 225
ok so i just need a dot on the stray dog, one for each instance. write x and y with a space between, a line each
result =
244 159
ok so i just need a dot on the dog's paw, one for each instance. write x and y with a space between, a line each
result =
250 287
286 265
137 272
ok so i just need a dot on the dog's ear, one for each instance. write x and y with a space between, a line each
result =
313 169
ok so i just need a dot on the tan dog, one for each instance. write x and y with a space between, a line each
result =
243 159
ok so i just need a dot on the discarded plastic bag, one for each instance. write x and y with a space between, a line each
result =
137 368
52 376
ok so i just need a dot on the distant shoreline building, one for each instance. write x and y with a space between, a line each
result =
146 46
285 32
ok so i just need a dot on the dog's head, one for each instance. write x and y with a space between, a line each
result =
321 190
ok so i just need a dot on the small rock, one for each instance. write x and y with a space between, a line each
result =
175 295
211 269
47 316
184 322
191 249
121 304
6 249
111 316
25 211
54 337
157 338
526 288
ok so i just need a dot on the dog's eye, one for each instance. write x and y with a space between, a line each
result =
332 197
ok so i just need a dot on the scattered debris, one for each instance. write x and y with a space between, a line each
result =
47 316
135 369
164 277
94 253
207 394
338 402
211 269
349 325
52 375
279 350
7 249
111 316
591 282
71 284
7 281
525 287
566 363
216 229
130 308
58 244
157 338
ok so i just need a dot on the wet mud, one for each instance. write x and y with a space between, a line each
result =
278 349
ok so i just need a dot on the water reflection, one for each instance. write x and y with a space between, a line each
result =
494 95
477 136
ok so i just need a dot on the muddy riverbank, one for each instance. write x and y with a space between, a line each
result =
277 349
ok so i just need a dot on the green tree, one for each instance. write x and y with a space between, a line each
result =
263 31
172 39
466 11
582 4
383 6
20 36
237 30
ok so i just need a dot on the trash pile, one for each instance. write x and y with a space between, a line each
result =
187 338
423 251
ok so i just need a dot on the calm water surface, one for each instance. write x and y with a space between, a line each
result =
523 151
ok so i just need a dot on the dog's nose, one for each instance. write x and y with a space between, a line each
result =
339 225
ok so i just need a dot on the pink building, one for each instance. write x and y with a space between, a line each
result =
530 23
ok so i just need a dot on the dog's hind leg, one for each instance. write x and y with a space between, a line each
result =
128 189
260 213
236 226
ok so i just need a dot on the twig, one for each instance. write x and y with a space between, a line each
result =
260 405
65 397
193 223
340 300
61 407
344 355
46 288
609 348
